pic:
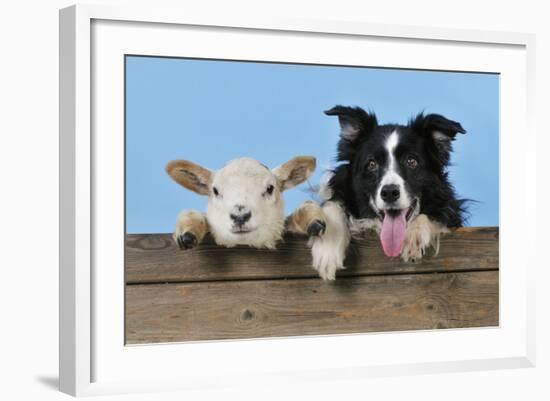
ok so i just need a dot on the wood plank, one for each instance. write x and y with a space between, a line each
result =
265 308
155 258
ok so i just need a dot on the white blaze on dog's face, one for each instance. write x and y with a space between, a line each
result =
391 192
245 203
393 198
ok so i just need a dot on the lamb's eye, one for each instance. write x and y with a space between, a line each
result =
412 162
372 165
215 190
269 189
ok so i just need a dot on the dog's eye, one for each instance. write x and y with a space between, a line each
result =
412 162
372 165
215 190
269 189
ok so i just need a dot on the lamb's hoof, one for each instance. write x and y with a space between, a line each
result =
316 228
187 240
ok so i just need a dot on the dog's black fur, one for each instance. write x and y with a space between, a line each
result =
428 138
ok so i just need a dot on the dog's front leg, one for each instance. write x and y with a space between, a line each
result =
329 250
191 227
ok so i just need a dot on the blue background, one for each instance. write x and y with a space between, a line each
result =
214 111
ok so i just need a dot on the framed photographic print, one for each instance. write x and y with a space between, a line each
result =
240 191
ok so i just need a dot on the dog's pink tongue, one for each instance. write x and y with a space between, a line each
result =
394 228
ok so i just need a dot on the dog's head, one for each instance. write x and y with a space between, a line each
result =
394 171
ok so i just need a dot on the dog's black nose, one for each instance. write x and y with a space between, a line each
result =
390 193
240 219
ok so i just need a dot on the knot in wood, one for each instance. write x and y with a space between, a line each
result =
247 315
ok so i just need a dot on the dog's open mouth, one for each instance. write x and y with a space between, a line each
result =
394 228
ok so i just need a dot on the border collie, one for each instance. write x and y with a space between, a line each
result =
393 180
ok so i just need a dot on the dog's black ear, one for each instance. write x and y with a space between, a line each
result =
355 125
439 133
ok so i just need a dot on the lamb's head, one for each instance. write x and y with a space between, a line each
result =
245 203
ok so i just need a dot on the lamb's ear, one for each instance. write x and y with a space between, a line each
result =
192 176
295 171
439 131
355 124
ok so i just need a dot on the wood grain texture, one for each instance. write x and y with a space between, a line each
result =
264 308
154 258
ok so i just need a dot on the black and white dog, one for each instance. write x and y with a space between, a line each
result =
393 180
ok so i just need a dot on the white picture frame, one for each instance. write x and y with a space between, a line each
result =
94 360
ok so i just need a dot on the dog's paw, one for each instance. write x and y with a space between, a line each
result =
413 251
327 269
419 238
186 240
316 228
329 250
327 259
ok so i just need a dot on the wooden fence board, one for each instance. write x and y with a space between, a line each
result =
264 308
154 258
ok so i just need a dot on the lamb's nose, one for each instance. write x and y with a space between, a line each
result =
240 219
390 193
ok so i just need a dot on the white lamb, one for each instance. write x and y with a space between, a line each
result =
245 203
